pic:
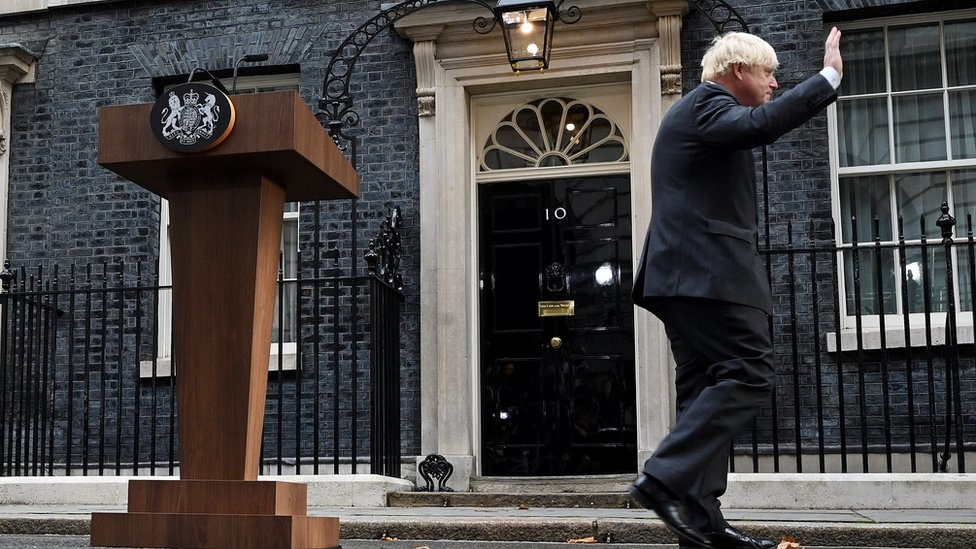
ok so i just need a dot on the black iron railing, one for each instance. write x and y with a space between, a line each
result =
876 366
876 373
84 388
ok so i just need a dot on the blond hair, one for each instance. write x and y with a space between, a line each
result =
736 47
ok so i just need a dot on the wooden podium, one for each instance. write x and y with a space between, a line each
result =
226 207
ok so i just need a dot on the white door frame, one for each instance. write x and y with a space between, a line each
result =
17 66
615 42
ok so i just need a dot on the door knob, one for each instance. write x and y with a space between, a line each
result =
556 343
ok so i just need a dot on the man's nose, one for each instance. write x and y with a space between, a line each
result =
772 83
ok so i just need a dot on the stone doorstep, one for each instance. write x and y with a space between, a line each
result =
602 500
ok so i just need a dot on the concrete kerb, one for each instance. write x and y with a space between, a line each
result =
44 526
650 530
541 529
474 528
937 536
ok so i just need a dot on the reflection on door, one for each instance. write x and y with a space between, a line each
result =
557 346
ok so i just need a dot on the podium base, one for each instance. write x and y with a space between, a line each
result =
215 514
203 531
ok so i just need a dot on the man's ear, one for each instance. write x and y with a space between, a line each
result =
737 70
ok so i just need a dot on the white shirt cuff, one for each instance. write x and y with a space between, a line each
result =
832 76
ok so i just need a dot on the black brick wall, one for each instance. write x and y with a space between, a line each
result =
67 210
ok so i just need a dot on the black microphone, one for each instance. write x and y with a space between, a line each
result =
249 58
217 83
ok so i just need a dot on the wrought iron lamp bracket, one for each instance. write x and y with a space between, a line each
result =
570 16
337 114
722 16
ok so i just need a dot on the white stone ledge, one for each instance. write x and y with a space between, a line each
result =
842 491
850 491
9 7
323 490
895 337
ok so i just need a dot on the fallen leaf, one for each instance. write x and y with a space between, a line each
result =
421 547
590 539
388 538
789 542
523 507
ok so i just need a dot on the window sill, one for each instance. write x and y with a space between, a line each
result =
894 338
289 363
27 6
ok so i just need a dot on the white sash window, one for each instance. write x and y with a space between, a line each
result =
903 135
284 333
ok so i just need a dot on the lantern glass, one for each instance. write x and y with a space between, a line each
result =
528 32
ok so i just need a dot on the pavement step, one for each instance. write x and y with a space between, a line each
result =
604 500
441 544
501 527
81 542
493 527
645 530
595 484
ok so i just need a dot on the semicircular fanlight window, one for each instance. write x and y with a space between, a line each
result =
555 131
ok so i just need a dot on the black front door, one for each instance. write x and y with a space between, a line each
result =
557 345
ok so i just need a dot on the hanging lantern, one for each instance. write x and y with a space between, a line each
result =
527 27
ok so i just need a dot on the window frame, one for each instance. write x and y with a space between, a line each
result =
871 321
161 365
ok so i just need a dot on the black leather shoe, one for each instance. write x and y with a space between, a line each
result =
654 496
730 538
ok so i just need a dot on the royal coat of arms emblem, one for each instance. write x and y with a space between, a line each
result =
192 117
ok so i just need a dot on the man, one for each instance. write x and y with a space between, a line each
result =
701 273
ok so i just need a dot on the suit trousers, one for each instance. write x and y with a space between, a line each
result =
724 374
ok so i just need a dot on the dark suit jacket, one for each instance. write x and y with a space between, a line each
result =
702 240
